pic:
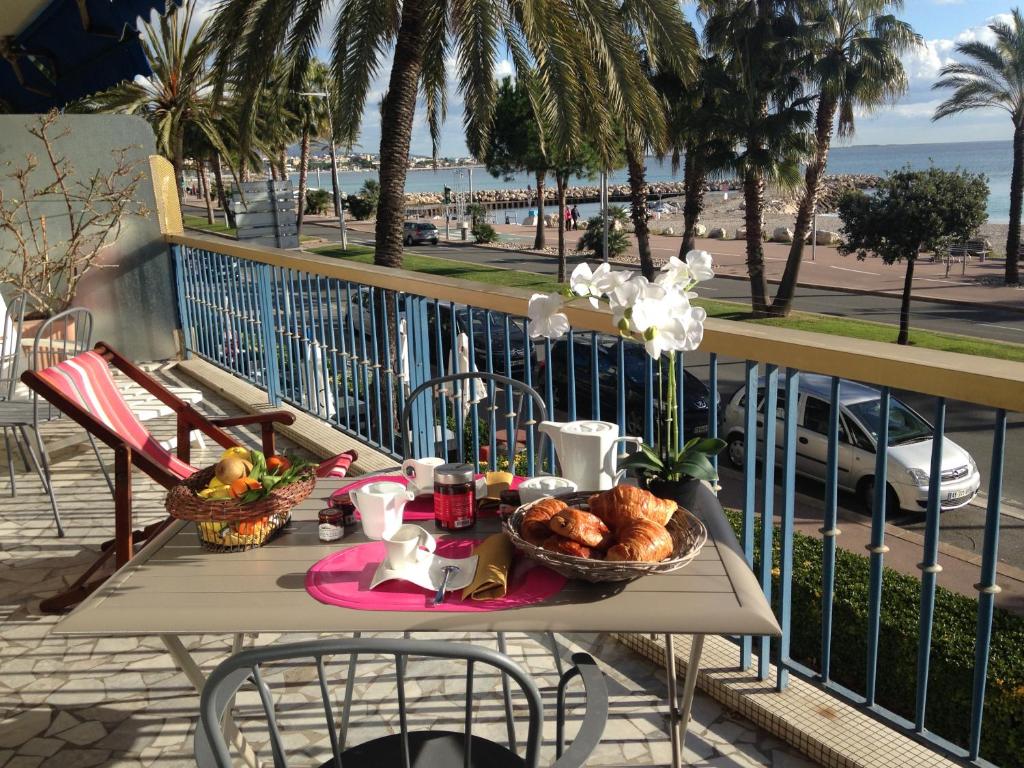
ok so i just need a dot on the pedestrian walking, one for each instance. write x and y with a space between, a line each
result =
568 218
575 214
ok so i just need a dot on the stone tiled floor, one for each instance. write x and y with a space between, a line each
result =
67 703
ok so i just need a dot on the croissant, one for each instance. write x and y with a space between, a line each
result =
642 541
581 526
534 527
555 543
626 503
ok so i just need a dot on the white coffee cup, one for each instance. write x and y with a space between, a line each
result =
420 473
535 488
380 507
407 545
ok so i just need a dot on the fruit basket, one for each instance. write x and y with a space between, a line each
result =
688 537
233 522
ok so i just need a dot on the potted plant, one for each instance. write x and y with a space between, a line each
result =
55 225
658 314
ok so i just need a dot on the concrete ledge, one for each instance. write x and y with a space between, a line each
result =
313 434
820 725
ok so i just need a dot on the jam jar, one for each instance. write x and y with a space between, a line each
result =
332 525
454 497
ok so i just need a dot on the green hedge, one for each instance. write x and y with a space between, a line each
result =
951 671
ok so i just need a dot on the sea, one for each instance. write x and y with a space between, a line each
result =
992 158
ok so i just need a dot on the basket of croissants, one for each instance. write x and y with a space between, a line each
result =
613 535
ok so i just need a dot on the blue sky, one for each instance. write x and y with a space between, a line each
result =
943 23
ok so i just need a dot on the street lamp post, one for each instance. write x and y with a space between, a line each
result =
338 207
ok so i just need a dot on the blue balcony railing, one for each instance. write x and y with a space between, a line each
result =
347 343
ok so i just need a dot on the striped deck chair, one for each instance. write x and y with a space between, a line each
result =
82 388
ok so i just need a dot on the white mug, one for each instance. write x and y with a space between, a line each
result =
536 488
380 507
419 473
407 545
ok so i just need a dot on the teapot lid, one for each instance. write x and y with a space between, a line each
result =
591 427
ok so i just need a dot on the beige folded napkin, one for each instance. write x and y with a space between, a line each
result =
491 578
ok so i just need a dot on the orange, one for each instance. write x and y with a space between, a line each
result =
242 485
278 464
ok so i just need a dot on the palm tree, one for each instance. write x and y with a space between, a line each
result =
313 120
761 44
177 95
584 58
641 136
857 47
993 77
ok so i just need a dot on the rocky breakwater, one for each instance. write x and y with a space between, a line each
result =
833 187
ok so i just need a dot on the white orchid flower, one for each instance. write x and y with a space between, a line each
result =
546 317
609 280
701 265
675 272
585 282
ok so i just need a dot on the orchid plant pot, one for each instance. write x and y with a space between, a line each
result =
672 490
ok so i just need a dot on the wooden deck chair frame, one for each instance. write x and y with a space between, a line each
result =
188 419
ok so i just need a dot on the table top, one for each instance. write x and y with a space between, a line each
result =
174 586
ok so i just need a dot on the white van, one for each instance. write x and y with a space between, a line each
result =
909 453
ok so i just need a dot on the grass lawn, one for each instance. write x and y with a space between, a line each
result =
219 228
432 265
804 321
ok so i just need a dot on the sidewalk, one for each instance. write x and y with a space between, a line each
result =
981 283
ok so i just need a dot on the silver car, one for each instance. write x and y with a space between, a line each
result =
909 452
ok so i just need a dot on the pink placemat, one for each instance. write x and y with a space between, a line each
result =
420 508
344 577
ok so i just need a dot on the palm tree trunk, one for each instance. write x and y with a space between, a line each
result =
561 181
753 193
1016 199
282 162
694 177
638 205
397 112
204 187
783 303
538 240
303 177
908 284
178 161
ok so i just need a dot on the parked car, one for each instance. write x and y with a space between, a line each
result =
417 232
909 451
514 339
696 395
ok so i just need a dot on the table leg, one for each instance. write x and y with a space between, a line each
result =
680 708
184 661
673 710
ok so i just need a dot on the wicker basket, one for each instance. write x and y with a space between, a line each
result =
229 525
688 536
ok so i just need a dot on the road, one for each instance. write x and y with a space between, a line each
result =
967 425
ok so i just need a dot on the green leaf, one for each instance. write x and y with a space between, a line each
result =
710 446
641 463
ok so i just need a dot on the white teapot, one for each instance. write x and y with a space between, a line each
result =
586 452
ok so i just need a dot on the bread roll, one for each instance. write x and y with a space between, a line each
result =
642 541
624 504
555 543
534 527
581 526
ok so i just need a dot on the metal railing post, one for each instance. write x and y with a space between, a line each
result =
987 587
265 320
183 314
786 530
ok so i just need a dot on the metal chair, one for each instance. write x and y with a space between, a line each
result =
57 339
11 357
413 749
524 409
